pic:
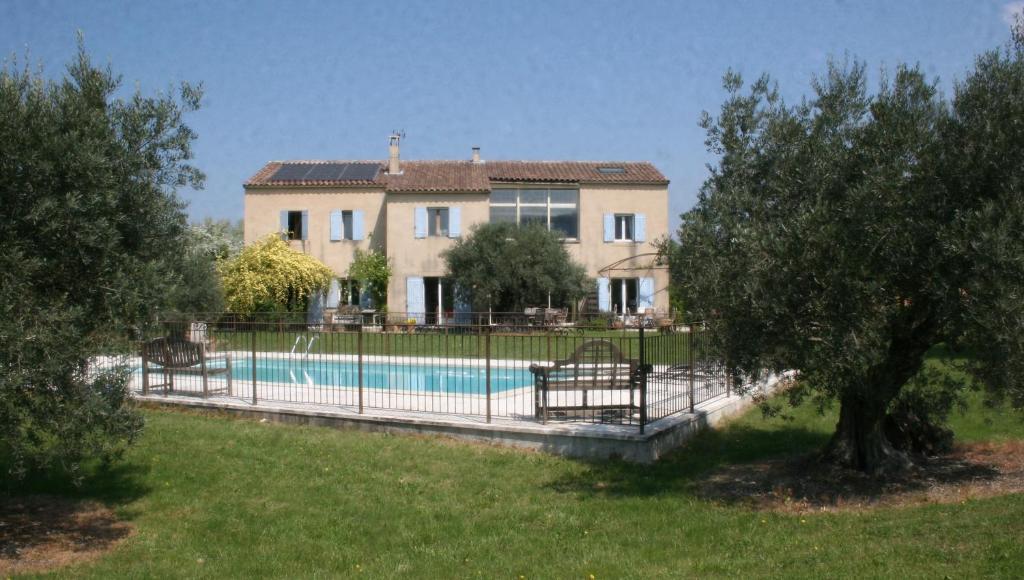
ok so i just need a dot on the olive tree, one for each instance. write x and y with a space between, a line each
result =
846 236
207 244
92 229
505 267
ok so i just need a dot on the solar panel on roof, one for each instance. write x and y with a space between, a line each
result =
291 172
361 171
326 172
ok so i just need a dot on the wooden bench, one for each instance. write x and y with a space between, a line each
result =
169 356
595 368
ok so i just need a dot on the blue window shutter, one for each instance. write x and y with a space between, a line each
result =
335 225
305 225
415 299
609 227
454 222
639 227
334 294
358 224
284 224
645 293
604 295
420 227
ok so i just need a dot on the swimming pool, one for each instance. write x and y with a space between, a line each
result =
412 377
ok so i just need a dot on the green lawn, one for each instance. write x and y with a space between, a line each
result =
216 497
668 348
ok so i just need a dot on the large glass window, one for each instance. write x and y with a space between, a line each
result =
555 208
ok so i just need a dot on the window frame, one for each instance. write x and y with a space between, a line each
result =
621 218
348 225
623 286
350 292
548 205
293 233
434 214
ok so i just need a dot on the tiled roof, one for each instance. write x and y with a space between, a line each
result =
467 177
575 172
438 176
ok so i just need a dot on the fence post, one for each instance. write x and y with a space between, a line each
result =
643 381
728 380
487 347
359 349
145 370
693 362
202 369
254 402
692 359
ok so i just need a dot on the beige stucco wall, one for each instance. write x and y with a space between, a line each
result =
390 227
595 254
422 257
263 209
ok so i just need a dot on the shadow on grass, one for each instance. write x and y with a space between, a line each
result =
682 469
116 484
775 467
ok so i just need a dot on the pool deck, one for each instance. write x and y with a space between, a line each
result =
512 414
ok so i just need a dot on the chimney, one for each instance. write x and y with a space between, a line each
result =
394 167
476 155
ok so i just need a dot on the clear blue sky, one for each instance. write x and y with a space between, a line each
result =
523 80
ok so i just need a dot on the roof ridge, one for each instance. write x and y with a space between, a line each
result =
315 161
319 161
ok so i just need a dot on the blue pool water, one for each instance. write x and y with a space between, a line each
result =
424 378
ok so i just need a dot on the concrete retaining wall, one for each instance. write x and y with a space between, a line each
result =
579 440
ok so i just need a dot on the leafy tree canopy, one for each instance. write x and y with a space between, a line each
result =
373 270
206 245
848 235
92 230
270 276
508 268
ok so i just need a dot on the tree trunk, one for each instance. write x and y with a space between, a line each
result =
859 441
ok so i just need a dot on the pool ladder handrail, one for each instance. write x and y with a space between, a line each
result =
309 346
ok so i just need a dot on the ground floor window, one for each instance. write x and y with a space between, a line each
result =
624 294
439 299
350 292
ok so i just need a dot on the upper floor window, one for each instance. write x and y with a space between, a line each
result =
555 209
437 222
624 227
347 225
440 222
294 224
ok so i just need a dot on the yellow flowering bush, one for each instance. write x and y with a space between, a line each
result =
270 275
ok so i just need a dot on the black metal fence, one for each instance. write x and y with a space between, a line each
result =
619 371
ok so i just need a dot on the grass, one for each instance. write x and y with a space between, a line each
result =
661 348
217 497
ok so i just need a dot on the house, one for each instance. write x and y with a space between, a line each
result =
609 213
